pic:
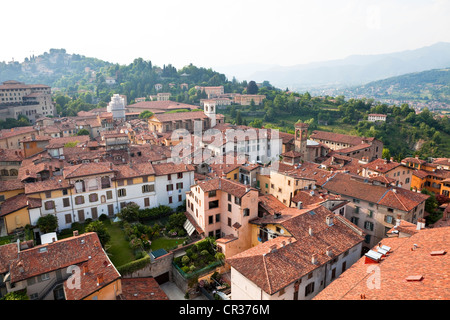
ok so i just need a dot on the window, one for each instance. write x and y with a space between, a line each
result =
169 177
169 187
68 218
120 183
246 212
145 179
210 219
229 207
237 200
389 219
79 200
45 276
367 238
64 192
146 202
180 198
49 205
229 197
214 204
170 199
148 188
48 194
229 222
66 202
218 217
109 195
180 175
93 197
129 182
212 194
354 220
179 185
309 289
368 225
121 192
356 209
94 213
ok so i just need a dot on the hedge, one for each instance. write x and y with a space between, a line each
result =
134 265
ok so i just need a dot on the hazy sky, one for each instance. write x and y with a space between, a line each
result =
211 33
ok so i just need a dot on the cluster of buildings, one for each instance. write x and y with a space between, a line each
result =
297 216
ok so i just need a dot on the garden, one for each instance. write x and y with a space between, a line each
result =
128 240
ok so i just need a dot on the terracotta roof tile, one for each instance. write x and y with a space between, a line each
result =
403 261
272 270
142 289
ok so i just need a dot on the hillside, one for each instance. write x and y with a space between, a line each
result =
430 87
353 70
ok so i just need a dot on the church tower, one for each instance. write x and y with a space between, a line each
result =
301 137
210 111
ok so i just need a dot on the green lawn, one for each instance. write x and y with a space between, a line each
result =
119 249
166 243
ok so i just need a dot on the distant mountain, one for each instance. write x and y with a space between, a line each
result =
355 70
425 87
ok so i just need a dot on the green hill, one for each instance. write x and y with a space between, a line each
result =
422 87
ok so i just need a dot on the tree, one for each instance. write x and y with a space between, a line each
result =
129 213
83 132
99 228
238 118
386 154
145 114
47 223
252 88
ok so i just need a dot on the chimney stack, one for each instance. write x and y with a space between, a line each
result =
329 252
85 269
100 279
75 233
420 224
329 220
299 205
314 259
310 231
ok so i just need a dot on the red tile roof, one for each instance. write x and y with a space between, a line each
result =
87 169
272 270
142 289
354 186
18 202
336 137
403 261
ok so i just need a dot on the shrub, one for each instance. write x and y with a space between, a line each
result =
103 217
185 260
185 269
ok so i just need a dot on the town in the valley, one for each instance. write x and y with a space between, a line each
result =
185 205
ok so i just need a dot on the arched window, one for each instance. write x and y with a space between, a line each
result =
4 172
13 172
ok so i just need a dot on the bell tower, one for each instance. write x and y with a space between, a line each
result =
301 137
210 111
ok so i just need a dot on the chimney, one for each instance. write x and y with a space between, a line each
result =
329 252
100 279
420 224
299 205
329 220
314 259
310 231
392 159
75 233
85 269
